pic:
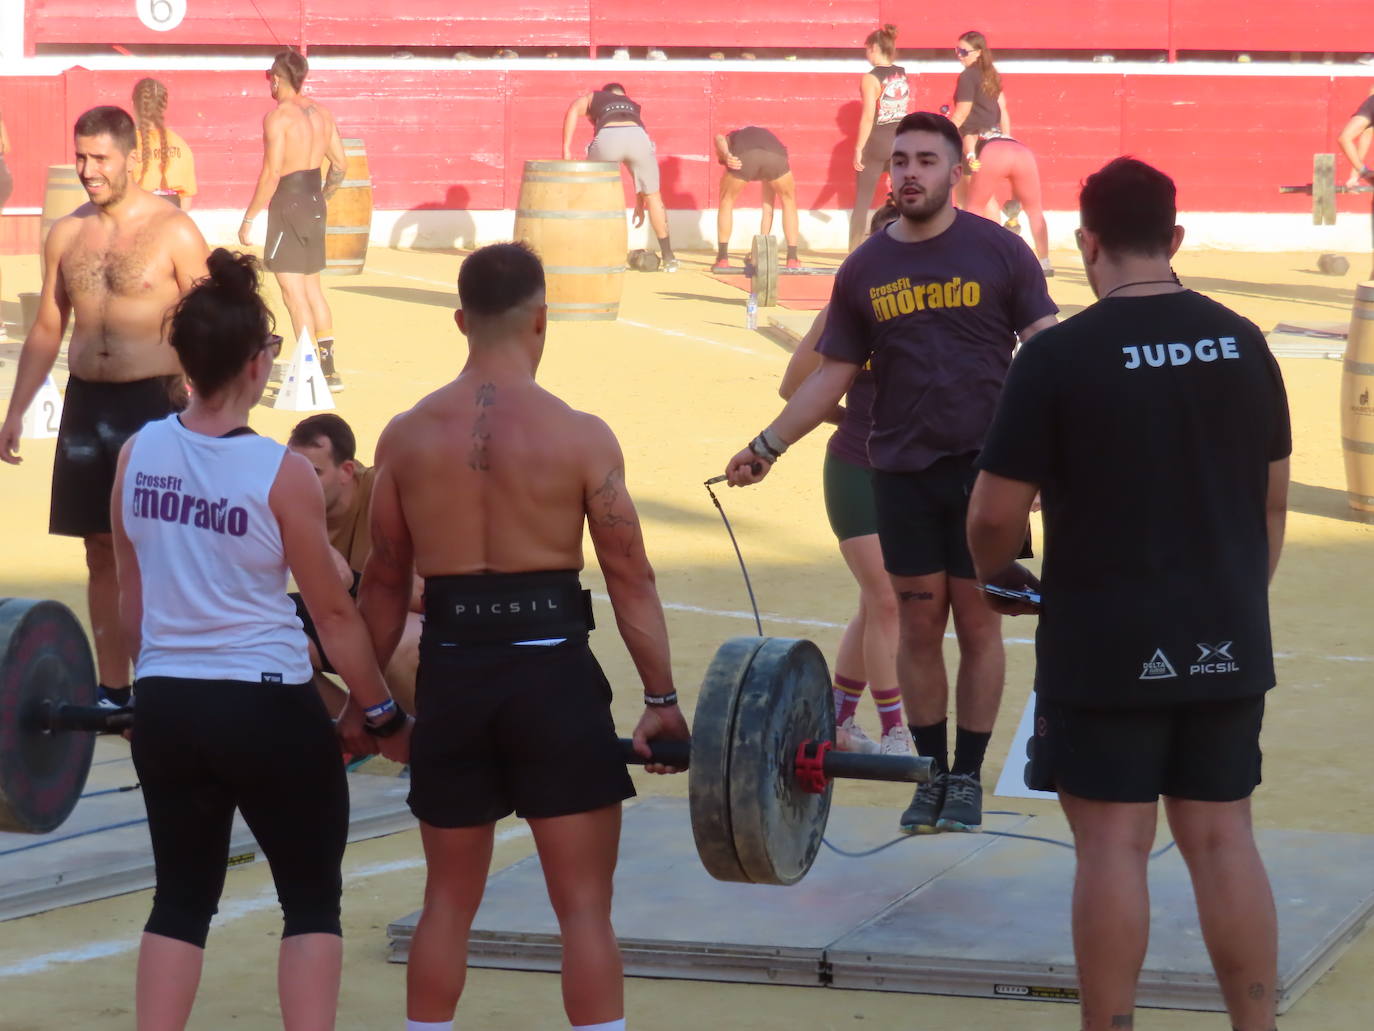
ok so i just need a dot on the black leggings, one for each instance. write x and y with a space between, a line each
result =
205 747
877 156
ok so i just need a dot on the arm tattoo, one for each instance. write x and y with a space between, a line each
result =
478 458
333 181
602 511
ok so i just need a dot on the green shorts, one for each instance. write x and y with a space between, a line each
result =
849 498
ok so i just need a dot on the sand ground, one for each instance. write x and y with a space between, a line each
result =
684 384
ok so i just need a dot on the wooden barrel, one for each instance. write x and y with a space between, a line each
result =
62 195
573 214
349 221
1357 406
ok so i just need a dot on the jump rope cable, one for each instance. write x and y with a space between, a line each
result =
742 568
748 586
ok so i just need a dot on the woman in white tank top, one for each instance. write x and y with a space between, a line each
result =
208 520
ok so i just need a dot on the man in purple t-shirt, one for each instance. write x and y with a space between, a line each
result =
936 303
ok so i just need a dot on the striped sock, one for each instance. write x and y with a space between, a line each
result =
847 693
889 705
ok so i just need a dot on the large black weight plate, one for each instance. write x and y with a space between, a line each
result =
708 779
764 257
785 699
44 657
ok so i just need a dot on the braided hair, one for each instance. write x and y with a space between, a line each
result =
150 109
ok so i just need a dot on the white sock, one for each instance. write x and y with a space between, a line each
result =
610 1025
425 1025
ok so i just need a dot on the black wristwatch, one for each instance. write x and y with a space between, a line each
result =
391 726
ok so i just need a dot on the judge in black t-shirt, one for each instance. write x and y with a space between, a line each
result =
1354 142
936 302
1154 426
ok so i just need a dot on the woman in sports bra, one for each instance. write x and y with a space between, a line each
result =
886 98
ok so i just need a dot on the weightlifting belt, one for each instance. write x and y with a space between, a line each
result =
503 608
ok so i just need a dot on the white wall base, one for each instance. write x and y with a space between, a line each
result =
823 230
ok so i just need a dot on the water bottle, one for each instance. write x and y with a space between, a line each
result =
751 311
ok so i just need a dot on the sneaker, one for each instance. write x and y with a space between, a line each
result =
335 382
1047 268
921 816
963 806
896 741
853 739
670 265
721 265
794 263
114 697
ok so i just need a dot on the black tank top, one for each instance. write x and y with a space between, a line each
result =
606 107
893 94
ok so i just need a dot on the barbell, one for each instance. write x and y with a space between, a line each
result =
760 763
1323 189
763 268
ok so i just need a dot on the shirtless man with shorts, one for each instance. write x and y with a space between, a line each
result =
297 136
327 442
484 488
118 263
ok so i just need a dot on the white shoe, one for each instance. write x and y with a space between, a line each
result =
851 738
896 741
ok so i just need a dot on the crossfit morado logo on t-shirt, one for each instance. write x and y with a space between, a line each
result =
162 498
901 297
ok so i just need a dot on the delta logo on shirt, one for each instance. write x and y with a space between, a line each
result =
900 297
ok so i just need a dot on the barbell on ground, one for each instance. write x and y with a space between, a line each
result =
763 268
1323 189
761 762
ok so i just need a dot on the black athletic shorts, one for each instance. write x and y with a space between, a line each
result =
1201 751
97 418
762 156
504 728
296 224
922 517
308 624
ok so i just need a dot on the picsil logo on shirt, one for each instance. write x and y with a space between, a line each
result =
900 297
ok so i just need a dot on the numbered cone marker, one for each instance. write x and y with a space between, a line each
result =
45 414
303 388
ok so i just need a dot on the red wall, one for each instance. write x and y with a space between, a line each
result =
1085 24
456 138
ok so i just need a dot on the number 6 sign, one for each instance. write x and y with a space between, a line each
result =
160 15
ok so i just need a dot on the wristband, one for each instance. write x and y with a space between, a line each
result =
775 443
375 713
391 726
658 701
761 449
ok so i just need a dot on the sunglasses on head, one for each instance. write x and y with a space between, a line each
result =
962 52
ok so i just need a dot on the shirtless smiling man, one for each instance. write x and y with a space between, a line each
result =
118 263
297 136
485 487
